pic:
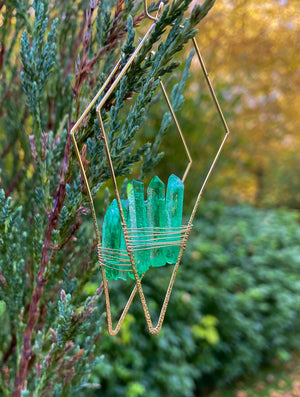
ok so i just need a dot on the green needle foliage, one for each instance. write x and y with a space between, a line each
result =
54 56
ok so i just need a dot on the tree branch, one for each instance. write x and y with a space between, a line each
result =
41 280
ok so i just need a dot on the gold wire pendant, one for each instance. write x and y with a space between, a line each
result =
130 235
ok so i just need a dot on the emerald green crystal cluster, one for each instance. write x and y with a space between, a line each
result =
154 228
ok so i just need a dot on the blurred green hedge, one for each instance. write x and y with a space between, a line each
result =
235 306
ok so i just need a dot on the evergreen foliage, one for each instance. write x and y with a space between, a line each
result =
52 323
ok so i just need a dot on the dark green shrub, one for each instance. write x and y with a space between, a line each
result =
235 306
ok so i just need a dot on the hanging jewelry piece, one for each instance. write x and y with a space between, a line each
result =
139 234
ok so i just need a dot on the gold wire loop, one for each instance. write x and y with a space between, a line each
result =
159 11
133 240
149 16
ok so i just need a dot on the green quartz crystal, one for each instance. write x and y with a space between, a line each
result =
138 219
156 213
124 257
111 240
115 253
174 205
148 224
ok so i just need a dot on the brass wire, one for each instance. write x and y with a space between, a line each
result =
179 131
129 233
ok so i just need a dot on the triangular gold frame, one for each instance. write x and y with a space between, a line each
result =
138 287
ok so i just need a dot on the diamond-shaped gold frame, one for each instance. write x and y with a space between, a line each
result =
138 286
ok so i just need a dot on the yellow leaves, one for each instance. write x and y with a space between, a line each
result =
125 332
30 171
90 288
21 154
254 48
206 329
135 389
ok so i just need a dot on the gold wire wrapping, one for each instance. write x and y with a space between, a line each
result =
156 237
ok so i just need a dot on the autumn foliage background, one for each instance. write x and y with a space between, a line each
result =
236 304
252 52
256 53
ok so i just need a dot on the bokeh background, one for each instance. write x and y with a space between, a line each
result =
252 53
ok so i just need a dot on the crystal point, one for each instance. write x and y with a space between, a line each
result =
124 255
138 220
111 239
156 213
174 205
